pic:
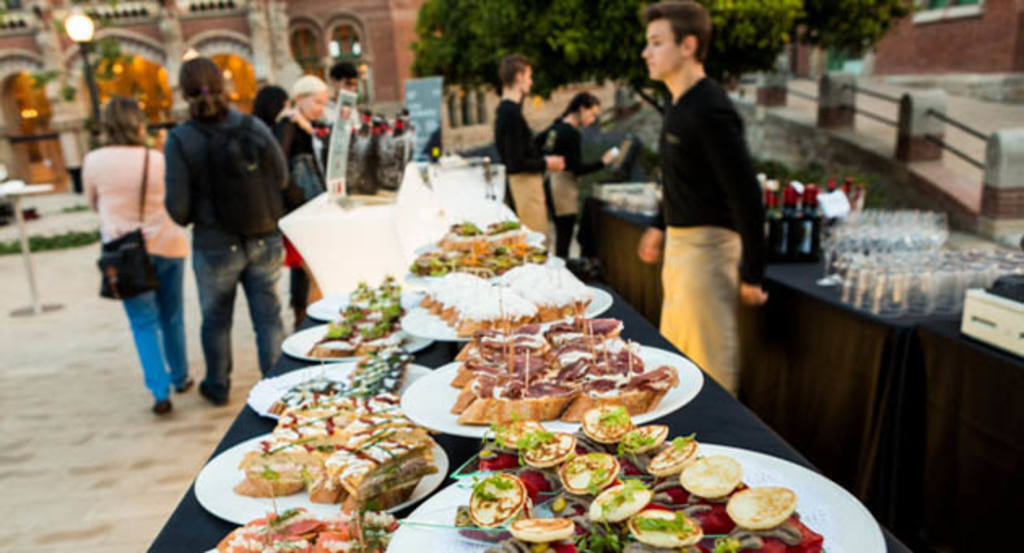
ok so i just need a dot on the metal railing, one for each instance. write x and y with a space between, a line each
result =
872 93
955 151
803 95
957 125
26 138
871 114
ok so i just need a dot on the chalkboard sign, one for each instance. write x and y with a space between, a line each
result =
423 100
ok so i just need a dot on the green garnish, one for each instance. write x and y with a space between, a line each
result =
726 545
280 519
468 229
597 477
339 331
616 417
634 440
270 474
683 442
498 228
678 525
533 439
630 488
485 488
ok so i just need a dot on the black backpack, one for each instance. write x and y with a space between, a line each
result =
246 198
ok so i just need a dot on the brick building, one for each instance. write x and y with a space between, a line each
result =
44 101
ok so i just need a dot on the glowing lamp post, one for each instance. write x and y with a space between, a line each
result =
81 29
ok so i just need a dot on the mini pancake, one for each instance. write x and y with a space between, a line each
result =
712 477
509 434
761 508
542 530
607 424
665 529
643 439
585 473
551 452
618 503
496 500
674 458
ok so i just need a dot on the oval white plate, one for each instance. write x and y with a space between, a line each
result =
328 308
269 390
534 238
424 281
823 505
429 400
298 345
422 323
216 482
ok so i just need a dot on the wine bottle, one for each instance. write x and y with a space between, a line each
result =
777 236
810 227
790 222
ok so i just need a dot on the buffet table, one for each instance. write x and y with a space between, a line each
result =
907 413
714 415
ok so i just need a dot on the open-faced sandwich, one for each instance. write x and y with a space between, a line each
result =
370 322
297 531
379 372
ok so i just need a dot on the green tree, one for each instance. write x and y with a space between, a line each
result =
849 26
580 40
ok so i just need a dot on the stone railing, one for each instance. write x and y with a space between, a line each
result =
121 13
210 8
17 22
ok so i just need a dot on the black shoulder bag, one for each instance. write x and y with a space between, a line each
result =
125 268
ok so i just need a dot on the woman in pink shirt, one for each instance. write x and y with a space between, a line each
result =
113 177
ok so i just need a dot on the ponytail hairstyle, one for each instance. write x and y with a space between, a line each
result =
582 100
202 85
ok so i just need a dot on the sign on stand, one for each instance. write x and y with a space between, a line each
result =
423 100
337 152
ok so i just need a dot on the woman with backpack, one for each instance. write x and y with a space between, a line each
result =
303 145
563 138
124 181
226 176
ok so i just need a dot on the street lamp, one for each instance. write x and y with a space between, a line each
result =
81 29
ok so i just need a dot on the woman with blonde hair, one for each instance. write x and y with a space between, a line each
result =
302 138
124 182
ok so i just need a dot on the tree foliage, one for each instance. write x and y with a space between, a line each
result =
581 40
849 26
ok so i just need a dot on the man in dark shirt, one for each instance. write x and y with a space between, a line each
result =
524 165
714 250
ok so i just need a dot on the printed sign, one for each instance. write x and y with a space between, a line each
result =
423 100
337 152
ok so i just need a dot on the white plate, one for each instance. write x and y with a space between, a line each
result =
328 308
823 505
269 390
298 345
534 238
429 400
422 323
424 281
216 482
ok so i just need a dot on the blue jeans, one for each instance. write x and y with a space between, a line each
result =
158 327
256 265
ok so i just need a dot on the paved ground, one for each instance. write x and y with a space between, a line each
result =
84 465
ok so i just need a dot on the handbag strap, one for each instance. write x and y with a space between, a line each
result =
145 181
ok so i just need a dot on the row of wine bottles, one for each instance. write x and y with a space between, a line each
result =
793 220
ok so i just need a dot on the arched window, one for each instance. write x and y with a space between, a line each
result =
239 80
346 44
138 78
305 50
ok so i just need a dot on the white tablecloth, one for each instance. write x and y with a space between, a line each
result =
366 243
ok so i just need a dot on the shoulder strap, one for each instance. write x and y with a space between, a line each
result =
145 181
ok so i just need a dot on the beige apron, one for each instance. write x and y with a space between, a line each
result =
699 315
565 193
528 194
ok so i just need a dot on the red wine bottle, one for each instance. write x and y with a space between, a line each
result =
778 240
809 248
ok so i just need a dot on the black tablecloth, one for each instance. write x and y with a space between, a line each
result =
973 462
714 415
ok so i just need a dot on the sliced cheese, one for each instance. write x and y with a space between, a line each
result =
551 452
681 532
498 499
542 530
672 459
588 473
761 508
607 424
618 503
712 477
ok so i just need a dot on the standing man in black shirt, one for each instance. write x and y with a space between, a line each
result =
524 165
714 241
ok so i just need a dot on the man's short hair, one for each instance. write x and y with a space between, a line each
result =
343 71
686 17
512 65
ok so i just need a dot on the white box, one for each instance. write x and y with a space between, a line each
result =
995 320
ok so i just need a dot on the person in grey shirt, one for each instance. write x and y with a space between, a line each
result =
224 258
